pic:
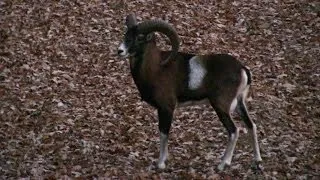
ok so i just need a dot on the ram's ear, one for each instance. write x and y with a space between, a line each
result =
131 20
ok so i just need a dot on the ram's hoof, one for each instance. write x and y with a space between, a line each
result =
221 167
161 165
256 166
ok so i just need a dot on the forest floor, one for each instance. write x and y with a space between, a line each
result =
69 107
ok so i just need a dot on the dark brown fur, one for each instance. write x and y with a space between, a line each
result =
165 85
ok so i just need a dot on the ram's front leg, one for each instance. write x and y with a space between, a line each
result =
165 119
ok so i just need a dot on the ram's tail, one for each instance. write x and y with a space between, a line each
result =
249 75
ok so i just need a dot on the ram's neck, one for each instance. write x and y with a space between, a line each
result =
144 67
152 58
145 63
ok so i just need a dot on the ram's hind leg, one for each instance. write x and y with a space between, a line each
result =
252 128
233 132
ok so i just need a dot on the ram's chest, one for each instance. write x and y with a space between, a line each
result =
146 89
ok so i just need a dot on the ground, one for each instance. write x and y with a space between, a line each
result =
69 107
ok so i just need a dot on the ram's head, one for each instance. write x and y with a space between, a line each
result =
138 35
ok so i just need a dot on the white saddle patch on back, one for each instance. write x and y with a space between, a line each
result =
197 73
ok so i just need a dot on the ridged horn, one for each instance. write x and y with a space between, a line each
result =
164 28
131 20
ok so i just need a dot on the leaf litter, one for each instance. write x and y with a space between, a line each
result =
69 108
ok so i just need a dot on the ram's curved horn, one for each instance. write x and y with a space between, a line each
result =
164 28
131 20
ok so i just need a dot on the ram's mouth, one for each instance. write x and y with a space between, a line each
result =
124 55
123 51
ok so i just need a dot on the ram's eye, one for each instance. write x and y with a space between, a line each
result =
140 37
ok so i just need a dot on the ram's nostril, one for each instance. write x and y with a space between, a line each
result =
120 51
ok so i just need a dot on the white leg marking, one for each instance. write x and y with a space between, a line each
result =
233 105
197 73
255 144
163 151
227 157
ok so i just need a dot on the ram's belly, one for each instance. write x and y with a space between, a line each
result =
193 103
